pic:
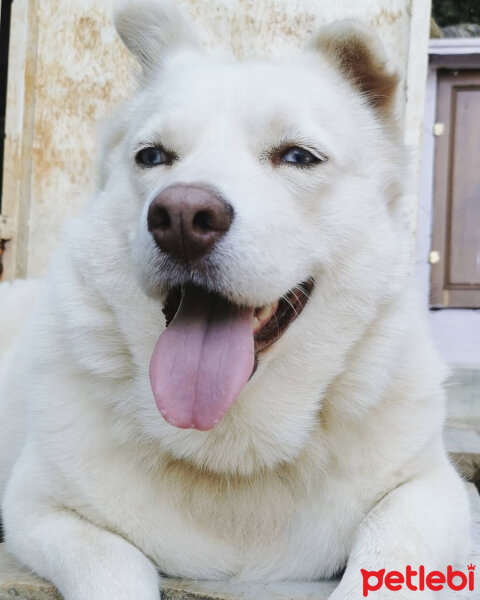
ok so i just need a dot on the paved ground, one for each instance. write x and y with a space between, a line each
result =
462 433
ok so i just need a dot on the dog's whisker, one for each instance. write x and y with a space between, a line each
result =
276 321
285 297
296 297
304 292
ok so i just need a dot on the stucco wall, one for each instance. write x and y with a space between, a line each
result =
67 70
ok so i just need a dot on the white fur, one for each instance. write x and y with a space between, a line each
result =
333 451
17 299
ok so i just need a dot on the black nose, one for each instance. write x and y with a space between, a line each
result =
186 221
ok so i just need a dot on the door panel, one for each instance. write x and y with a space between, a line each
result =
455 278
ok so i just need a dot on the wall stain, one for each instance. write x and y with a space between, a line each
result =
86 34
386 17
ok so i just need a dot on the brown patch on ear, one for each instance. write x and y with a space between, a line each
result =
359 55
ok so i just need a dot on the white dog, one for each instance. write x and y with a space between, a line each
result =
288 422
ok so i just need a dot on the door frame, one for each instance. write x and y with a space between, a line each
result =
456 330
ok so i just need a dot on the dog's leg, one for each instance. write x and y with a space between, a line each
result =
422 522
82 560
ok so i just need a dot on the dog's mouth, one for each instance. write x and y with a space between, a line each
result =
210 348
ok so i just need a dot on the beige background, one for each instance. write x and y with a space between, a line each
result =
67 70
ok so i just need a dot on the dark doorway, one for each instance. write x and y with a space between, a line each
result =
4 44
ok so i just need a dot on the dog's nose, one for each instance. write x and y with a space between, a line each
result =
186 221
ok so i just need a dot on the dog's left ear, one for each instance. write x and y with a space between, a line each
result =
357 52
152 29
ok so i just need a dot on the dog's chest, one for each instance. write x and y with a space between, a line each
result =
205 526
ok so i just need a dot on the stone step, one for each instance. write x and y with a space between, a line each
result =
462 440
17 582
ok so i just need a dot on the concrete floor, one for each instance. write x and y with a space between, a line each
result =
463 410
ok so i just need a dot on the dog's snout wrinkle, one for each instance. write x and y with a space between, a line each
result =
186 221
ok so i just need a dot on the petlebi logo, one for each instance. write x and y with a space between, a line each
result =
418 580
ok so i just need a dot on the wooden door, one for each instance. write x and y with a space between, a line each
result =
455 257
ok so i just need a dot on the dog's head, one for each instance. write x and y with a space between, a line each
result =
268 197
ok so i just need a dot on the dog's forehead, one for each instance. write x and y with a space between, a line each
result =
250 88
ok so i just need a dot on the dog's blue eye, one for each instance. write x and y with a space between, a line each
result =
153 156
299 156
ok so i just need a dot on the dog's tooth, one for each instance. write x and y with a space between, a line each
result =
263 315
267 311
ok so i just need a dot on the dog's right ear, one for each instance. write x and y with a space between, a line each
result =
152 29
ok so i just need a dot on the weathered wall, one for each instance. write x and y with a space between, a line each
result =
67 70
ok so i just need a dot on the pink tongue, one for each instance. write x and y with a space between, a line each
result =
202 360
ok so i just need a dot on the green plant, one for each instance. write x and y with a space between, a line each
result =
452 12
